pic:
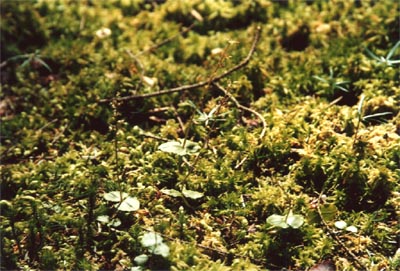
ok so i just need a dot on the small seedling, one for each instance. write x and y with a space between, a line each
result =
332 83
285 221
153 242
110 222
206 118
385 60
185 193
368 117
361 118
342 225
32 59
123 202
181 147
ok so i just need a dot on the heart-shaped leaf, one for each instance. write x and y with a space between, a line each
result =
171 192
340 224
151 239
141 259
181 147
161 249
277 221
115 222
173 147
352 229
129 204
294 221
328 212
192 194
103 218
115 196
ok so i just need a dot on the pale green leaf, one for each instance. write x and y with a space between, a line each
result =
115 223
181 147
103 218
129 204
161 249
328 212
150 239
352 229
277 221
141 259
173 147
295 221
340 224
192 194
115 196
171 192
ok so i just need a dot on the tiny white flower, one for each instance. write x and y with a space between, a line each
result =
217 51
103 32
150 81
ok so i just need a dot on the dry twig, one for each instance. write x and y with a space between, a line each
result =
243 63
337 239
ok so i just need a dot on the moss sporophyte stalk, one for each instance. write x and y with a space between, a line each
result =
199 135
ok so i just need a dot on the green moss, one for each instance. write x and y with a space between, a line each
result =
330 149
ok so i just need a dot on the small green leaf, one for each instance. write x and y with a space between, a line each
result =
182 147
277 221
340 224
172 147
328 212
191 147
141 259
161 249
151 239
103 218
171 192
129 204
115 196
192 194
294 221
115 223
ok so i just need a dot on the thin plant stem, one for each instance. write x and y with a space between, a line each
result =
240 106
243 63
337 239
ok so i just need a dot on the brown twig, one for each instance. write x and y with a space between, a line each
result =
334 236
196 85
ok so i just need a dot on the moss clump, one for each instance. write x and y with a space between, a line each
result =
291 160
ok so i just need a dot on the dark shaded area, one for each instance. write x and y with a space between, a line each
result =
299 40
280 250
360 193
8 188
278 157
20 34
349 98
312 177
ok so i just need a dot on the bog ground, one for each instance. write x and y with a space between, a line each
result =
200 135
